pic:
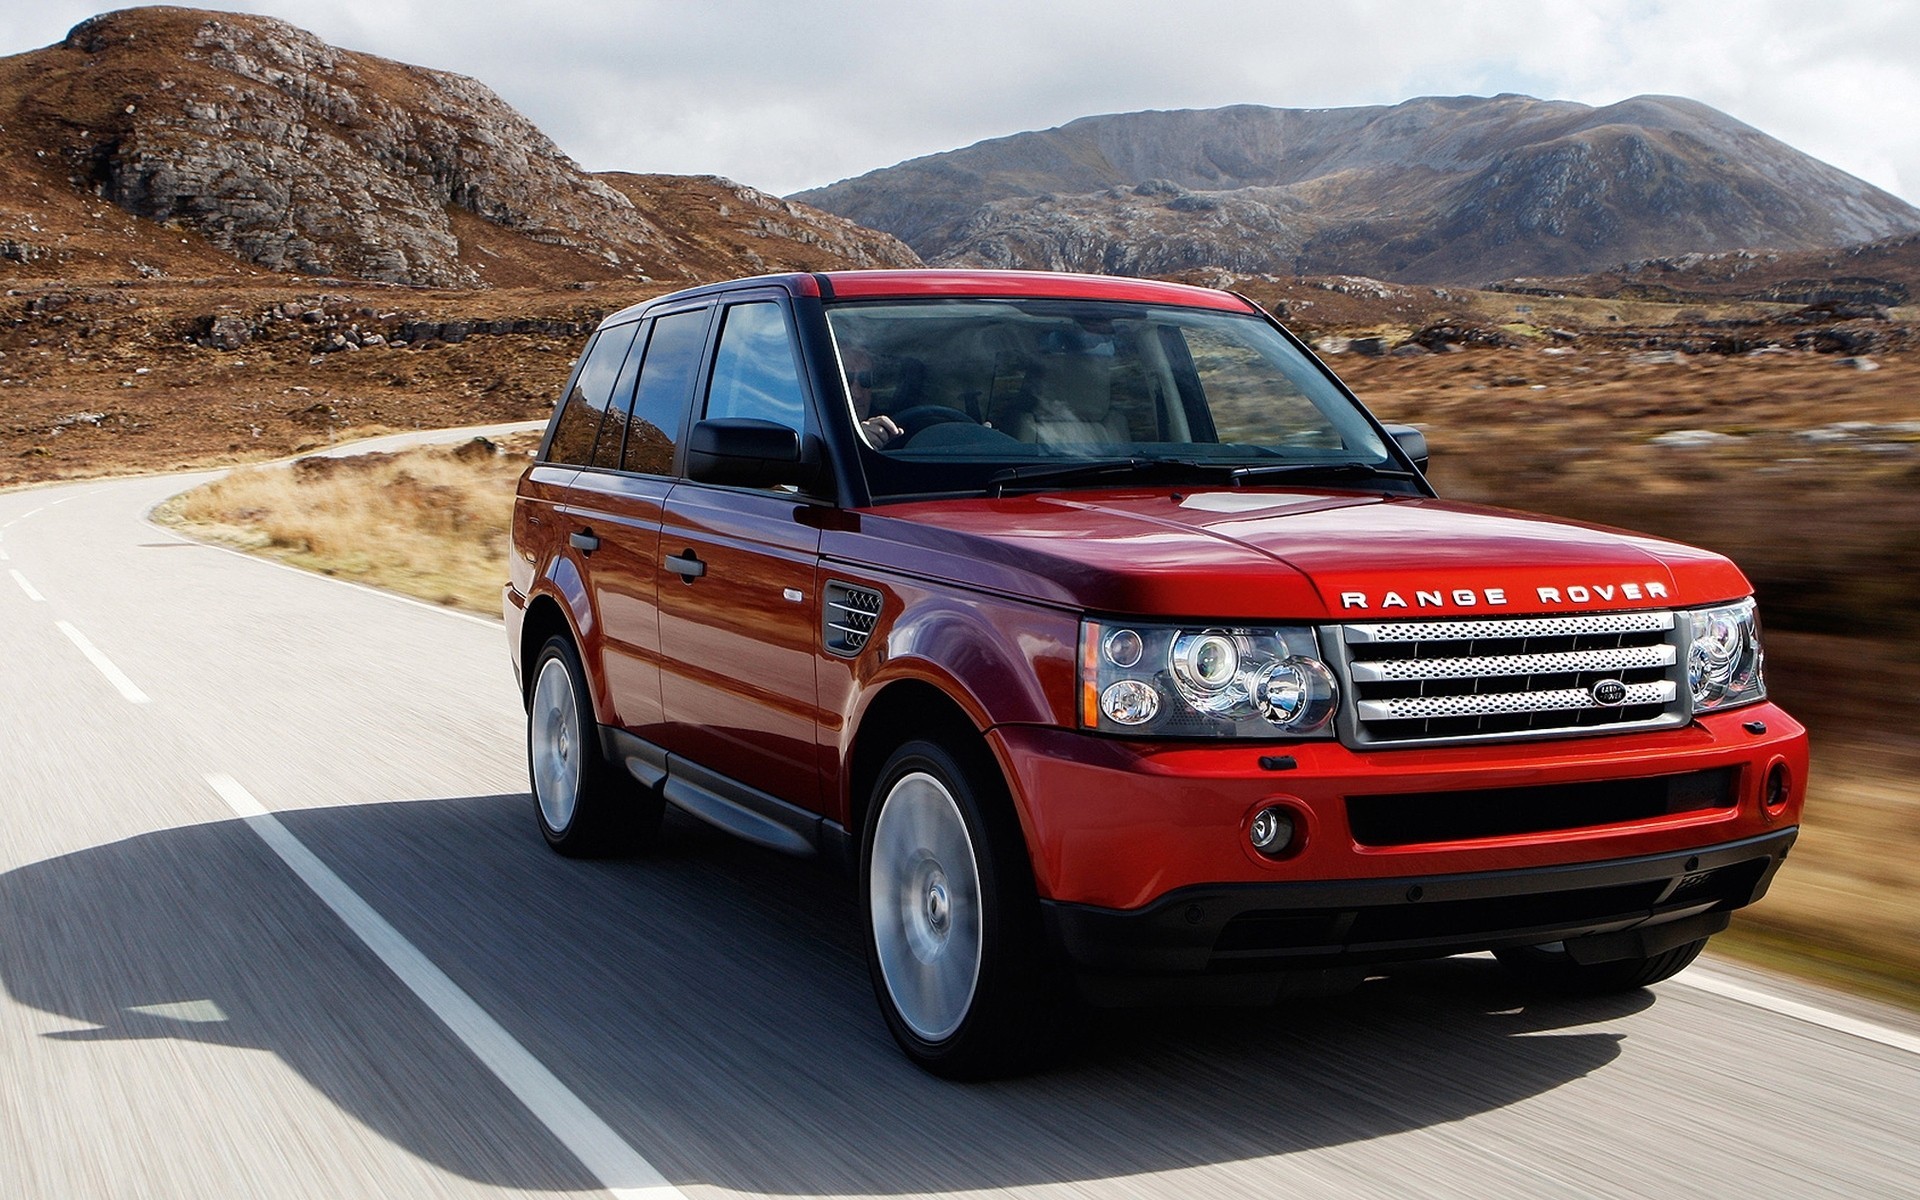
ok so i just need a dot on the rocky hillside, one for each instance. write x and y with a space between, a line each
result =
248 138
1875 275
1459 189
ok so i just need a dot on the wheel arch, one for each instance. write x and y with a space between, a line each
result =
543 619
896 714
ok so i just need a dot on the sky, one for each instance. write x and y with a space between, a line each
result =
786 94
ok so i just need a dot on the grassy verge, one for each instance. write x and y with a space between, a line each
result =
430 523
1845 909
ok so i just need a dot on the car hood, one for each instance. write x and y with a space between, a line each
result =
1280 555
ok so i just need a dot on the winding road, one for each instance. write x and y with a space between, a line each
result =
275 920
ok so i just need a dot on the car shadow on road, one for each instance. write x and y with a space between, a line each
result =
710 1002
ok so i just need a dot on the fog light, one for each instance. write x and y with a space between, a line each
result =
1779 786
1272 831
1130 702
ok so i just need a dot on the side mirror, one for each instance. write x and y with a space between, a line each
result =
1412 443
746 452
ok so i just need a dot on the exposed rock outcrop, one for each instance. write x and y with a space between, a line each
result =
298 156
1439 189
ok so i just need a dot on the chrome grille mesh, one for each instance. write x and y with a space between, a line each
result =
848 617
1419 682
1627 659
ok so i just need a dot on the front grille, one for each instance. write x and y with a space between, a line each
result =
1415 682
1414 818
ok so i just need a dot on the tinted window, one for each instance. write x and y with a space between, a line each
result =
979 387
606 450
754 374
580 415
666 382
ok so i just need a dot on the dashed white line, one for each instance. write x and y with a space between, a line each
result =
619 1167
33 593
115 675
1720 985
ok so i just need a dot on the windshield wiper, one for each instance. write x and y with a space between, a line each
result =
1073 473
1240 475
1181 470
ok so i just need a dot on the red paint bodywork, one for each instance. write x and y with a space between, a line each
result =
983 600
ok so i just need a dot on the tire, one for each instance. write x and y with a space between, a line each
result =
586 806
1553 970
954 944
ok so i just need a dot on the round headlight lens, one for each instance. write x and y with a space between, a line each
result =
1206 661
1723 659
1719 641
1297 694
1124 648
1130 702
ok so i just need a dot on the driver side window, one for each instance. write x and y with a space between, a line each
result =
754 371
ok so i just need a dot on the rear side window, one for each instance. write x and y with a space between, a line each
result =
579 422
613 429
666 383
621 411
754 373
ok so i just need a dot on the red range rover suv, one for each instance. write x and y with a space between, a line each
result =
1114 646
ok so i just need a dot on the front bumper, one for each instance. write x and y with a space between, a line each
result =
1621 908
1141 854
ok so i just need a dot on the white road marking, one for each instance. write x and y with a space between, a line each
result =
115 675
32 592
619 1167
3 554
1720 985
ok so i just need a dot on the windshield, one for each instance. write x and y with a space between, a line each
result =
996 395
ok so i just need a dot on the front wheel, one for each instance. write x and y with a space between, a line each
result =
586 805
954 944
1551 968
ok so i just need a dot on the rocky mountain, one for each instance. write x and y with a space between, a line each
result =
1439 189
259 141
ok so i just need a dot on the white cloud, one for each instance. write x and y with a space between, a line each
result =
787 95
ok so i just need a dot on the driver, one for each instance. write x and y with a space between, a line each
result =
877 428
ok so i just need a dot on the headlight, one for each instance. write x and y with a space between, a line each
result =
1723 657
1167 681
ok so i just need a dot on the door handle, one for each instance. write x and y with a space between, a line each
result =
584 542
686 565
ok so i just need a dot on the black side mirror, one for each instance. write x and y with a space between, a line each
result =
746 452
1412 443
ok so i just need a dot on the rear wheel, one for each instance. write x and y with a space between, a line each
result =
954 944
586 805
1551 968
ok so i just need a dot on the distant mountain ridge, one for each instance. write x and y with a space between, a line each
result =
1438 189
293 155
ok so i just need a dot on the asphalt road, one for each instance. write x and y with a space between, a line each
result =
275 921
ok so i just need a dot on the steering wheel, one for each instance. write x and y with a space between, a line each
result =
926 416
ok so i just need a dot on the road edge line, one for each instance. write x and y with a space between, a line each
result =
1728 989
619 1168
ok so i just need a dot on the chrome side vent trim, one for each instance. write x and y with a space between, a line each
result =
848 618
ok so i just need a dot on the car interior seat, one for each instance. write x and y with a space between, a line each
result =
1071 403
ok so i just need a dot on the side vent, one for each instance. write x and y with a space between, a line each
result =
849 615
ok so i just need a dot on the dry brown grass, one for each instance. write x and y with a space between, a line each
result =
430 523
1846 906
